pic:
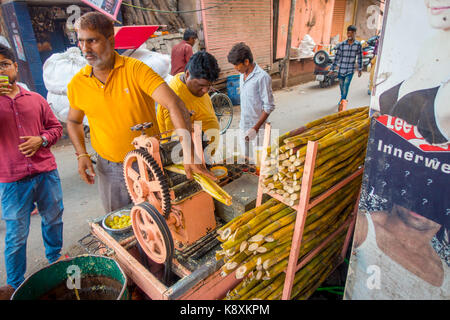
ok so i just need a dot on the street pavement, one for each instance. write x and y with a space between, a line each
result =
295 106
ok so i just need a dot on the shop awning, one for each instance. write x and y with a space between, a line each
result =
132 37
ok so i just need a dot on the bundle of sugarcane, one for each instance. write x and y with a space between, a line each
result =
206 183
257 243
306 278
342 139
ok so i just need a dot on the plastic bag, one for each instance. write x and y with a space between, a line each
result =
306 47
160 63
59 103
60 68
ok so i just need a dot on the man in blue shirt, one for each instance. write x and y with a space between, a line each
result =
345 58
256 97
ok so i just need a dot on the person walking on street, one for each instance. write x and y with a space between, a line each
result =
346 54
115 93
256 97
182 52
28 172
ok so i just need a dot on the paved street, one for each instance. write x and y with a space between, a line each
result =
294 107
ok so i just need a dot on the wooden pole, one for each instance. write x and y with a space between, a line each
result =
285 71
302 211
262 166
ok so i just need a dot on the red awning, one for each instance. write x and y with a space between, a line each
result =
132 37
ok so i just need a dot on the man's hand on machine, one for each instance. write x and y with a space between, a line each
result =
198 168
193 165
86 169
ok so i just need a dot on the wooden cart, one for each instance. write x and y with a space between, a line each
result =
205 282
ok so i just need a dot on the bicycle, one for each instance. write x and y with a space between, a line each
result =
223 107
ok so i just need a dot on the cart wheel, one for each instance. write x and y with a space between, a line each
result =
223 107
152 232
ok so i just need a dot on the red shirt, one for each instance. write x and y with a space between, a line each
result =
28 114
181 53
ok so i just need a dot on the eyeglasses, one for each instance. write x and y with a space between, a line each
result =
5 65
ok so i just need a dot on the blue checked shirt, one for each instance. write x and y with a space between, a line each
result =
346 57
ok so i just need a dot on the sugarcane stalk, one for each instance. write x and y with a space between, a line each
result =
234 262
278 224
208 185
247 267
336 115
257 220
324 255
231 226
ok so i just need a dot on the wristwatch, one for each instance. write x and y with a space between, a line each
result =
44 141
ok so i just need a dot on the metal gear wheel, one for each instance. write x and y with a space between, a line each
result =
148 183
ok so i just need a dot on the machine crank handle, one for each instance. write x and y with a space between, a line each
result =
142 127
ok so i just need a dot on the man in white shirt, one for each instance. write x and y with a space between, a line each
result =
256 97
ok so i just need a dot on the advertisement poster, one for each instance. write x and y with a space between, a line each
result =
19 47
401 243
109 7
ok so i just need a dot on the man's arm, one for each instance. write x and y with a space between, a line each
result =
188 52
52 127
76 134
265 89
52 133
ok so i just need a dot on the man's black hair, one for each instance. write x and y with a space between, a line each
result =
203 65
351 28
239 53
7 53
189 33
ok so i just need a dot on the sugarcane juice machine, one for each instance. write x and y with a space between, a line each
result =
170 212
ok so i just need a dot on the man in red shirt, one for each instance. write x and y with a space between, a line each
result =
28 172
182 52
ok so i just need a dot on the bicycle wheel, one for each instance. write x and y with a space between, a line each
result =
223 107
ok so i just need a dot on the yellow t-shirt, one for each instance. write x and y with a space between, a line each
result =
202 107
114 107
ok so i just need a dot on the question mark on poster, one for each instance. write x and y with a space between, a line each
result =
429 181
403 192
383 183
424 201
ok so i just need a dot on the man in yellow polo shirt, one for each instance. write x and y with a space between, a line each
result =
192 87
115 93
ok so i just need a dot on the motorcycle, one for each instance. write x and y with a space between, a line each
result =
323 61
368 53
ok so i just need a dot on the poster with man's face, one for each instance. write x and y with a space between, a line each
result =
401 242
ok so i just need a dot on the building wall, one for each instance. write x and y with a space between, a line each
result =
367 18
366 15
233 21
312 17
338 20
350 13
